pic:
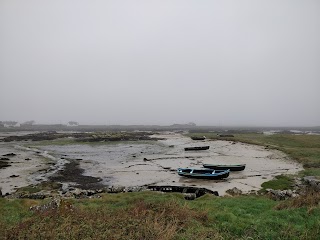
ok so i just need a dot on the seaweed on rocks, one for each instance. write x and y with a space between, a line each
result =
73 173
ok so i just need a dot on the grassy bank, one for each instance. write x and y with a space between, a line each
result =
149 215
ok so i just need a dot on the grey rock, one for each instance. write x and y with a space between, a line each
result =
52 205
234 191
190 196
115 189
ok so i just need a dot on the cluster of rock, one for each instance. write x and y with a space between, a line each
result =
300 188
313 182
278 195
74 192
82 193
55 203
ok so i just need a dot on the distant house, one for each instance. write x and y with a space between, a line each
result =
73 123
10 124
27 124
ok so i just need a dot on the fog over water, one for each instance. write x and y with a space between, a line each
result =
161 62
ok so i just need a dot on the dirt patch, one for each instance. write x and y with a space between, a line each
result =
73 173
4 163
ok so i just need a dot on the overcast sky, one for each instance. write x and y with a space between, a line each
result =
236 62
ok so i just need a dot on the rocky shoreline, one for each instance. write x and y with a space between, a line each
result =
301 187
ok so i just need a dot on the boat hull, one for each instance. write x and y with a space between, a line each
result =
232 168
196 148
203 173
198 138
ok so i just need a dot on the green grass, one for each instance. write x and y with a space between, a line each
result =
149 215
280 182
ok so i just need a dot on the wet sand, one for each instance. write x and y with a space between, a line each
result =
143 163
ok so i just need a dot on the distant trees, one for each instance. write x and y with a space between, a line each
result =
28 123
73 123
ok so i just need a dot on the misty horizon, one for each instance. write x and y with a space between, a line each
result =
214 63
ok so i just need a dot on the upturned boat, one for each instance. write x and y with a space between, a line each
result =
196 148
198 138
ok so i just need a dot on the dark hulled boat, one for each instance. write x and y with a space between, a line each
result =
237 167
203 173
196 148
198 138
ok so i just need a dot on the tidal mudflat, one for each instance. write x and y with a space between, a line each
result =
139 163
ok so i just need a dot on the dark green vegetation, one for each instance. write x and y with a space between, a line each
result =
149 215
82 137
280 182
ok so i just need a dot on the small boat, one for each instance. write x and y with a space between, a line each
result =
238 167
198 138
196 148
203 173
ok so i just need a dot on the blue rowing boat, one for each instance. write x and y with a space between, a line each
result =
203 173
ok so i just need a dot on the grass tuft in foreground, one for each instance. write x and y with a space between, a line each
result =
139 220
150 215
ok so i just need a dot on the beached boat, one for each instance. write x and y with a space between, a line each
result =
196 148
238 167
198 138
203 173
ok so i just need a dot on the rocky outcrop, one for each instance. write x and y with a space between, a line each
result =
313 182
234 191
52 205
281 194
38 195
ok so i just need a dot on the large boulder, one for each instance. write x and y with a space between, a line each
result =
190 196
234 191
